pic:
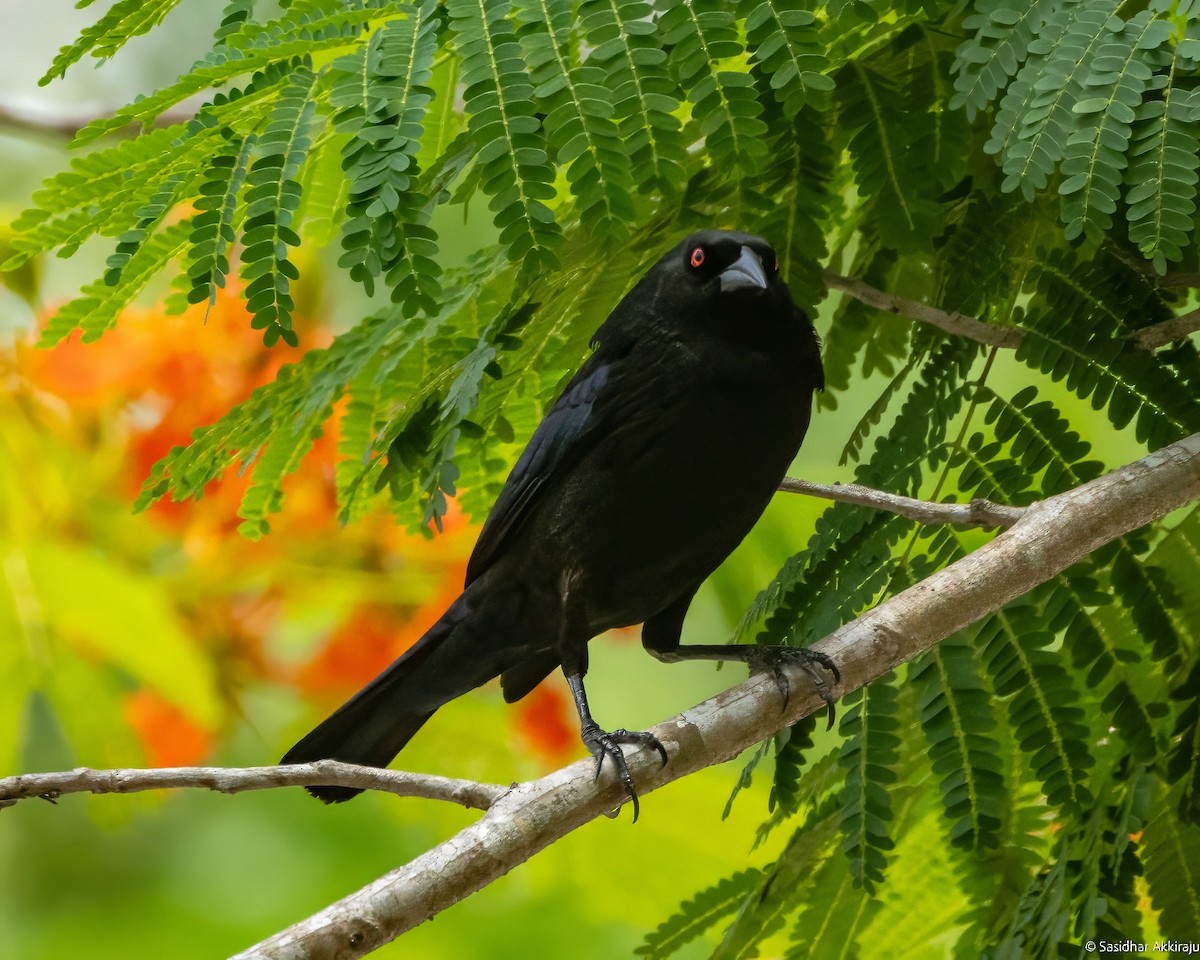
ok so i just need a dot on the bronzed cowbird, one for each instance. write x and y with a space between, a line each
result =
653 464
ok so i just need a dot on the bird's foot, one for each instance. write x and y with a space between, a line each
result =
765 659
604 743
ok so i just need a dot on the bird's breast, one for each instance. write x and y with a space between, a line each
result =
669 493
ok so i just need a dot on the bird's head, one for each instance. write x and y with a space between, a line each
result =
723 284
721 264
716 287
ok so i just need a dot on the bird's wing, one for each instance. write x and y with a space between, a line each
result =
559 440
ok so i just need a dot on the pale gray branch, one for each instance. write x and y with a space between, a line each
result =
50 786
1051 535
977 513
958 324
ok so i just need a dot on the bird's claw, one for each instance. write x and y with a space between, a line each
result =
774 659
604 743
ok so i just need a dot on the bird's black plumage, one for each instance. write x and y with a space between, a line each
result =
653 464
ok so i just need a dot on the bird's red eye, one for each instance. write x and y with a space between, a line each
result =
697 257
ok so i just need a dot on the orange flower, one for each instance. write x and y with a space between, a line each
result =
544 724
169 737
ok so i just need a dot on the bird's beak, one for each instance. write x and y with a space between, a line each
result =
745 273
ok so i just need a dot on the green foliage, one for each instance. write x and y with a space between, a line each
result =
123 21
1172 852
1094 107
959 726
784 45
213 229
512 165
272 195
579 121
701 912
1034 165
381 97
870 754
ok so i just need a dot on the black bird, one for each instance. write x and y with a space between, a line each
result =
655 462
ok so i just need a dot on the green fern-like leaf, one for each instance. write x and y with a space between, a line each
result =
836 910
124 20
700 35
791 746
1183 766
272 196
1043 706
1003 31
1172 855
869 756
579 119
1075 338
1097 152
941 141
213 227
233 15
149 216
382 97
785 884
877 115
1116 669
1037 116
783 41
269 49
1043 442
101 302
511 154
109 191
852 451
645 100
294 404
1176 553
1162 175
700 913
958 723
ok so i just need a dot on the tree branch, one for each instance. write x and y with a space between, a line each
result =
1143 266
50 786
1051 535
977 513
959 324
49 123
1158 334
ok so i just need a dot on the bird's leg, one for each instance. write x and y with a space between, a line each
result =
661 633
607 743
574 657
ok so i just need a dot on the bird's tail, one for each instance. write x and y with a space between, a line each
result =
373 725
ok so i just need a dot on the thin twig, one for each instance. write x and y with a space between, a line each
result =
1171 278
959 324
977 513
50 786
955 323
67 125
